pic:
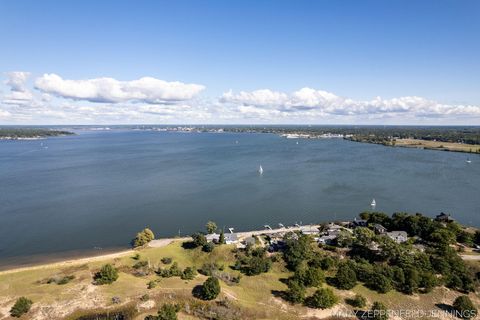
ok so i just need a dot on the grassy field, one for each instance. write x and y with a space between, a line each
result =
252 298
437 145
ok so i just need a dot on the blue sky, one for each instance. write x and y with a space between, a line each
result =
420 57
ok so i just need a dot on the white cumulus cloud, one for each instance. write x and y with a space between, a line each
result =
16 80
108 90
319 103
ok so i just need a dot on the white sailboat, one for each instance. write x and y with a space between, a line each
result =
469 161
373 204
260 170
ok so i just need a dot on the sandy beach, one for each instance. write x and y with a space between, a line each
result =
157 243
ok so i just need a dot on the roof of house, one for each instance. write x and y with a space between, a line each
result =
395 234
212 236
231 237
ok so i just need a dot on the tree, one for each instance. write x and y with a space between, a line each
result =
188 273
166 312
143 237
378 311
476 237
107 275
358 301
363 236
442 238
210 288
323 298
295 292
221 239
344 238
313 277
297 249
199 239
411 282
211 227
464 307
428 281
21 306
346 277
380 283
257 265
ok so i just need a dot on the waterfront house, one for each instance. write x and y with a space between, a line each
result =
309 230
444 217
213 237
231 238
379 229
327 239
398 236
358 223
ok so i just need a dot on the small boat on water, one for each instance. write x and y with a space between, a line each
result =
373 204
468 161
260 170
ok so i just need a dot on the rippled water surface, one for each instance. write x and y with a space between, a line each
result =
97 189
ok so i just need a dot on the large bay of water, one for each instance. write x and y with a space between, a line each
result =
98 188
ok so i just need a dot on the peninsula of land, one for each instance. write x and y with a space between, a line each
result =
374 263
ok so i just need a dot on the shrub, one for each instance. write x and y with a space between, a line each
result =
207 269
108 274
143 237
380 283
464 307
323 298
166 312
188 273
61 280
173 271
151 284
345 278
358 301
140 264
166 260
379 311
208 247
295 292
21 306
199 239
210 288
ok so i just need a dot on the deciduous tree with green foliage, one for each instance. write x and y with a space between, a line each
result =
21 306
143 237
211 227
297 249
